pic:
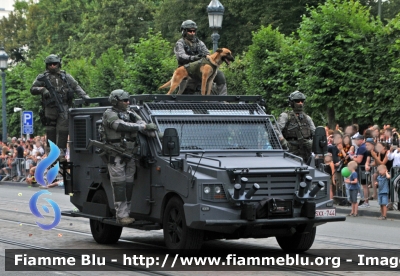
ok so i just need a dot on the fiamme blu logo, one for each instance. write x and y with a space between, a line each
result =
43 179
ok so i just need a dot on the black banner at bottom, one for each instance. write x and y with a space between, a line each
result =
163 260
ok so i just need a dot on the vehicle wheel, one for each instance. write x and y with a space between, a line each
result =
101 232
177 235
297 242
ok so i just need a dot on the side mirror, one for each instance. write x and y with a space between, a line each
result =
170 142
320 142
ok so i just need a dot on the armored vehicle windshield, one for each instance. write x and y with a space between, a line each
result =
217 126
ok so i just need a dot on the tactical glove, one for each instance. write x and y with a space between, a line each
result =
285 144
45 93
195 58
151 126
134 117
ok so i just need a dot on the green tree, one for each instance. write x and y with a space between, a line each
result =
111 23
272 67
338 61
52 25
13 31
151 65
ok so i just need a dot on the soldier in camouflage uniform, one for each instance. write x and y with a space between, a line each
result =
120 128
189 49
64 84
296 128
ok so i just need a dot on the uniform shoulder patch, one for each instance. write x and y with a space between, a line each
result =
110 116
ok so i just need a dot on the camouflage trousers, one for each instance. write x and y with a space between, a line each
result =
301 149
121 176
57 128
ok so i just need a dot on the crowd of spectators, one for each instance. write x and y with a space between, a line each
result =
19 158
370 149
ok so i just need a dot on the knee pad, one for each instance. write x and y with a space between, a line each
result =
119 189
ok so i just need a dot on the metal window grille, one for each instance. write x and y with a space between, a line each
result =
204 108
82 132
222 133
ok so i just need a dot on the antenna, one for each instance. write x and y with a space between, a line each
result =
198 164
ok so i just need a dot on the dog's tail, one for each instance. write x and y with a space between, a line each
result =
165 85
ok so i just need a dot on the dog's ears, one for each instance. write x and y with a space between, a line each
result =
219 50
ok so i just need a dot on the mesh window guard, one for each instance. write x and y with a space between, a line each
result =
203 108
222 133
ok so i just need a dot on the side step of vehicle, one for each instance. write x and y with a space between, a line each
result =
140 224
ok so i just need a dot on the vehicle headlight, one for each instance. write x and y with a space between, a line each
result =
217 189
207 190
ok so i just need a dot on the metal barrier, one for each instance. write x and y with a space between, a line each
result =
394 187
17 169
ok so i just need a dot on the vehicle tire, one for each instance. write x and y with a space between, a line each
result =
177 235
103 233
297 242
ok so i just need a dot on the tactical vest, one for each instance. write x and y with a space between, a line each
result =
193 68
190 50
112 136
61 85
292 126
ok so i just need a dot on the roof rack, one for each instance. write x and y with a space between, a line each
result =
139 99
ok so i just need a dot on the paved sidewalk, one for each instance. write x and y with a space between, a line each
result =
373 211
24 184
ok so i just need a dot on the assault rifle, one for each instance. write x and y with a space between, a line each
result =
54 97
110 150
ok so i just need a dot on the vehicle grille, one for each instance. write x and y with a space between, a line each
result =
82 132
282 186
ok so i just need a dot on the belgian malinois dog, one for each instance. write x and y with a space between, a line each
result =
204 69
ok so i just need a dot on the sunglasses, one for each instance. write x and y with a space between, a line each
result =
53 63
299 101
125 100
191 31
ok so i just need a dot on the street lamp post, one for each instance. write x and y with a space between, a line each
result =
215 12
3 67
18 109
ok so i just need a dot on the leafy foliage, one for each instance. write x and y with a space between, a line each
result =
336 51
151 65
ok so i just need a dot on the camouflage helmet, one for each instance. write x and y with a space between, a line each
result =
188 24
53 59
118 95
297 95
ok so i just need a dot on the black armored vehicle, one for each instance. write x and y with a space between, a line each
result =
219 172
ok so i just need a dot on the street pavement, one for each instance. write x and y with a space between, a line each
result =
373 211
361 233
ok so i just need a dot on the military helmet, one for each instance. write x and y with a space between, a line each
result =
52 59
188 24
118 95
297 95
